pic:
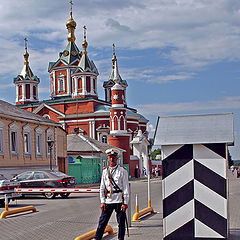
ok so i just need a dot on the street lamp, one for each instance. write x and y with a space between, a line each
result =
50 146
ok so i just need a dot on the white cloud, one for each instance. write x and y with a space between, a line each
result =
150 129
232 102
44 90
200 32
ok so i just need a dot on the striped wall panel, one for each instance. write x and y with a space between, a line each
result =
194 192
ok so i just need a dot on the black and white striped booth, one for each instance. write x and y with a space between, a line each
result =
195 193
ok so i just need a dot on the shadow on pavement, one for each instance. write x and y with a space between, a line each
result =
234 234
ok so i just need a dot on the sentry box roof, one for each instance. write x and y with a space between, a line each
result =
194 129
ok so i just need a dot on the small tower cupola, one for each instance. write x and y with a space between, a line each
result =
61 70
26 82
84 78
109 84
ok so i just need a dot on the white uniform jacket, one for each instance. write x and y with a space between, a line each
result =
120 177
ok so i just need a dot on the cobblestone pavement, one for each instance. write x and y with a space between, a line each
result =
151 228
234 206
65 219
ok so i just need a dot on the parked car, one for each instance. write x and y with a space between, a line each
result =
238 172
7 187
46 179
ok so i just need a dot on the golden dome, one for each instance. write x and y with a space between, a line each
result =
71 23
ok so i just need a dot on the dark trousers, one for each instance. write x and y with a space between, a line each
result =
105 216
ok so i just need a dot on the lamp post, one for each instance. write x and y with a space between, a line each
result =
50 146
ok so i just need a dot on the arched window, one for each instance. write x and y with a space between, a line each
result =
61 83
2 146
27 138
115 123
104 139
39 141
14 138
50 137
46 116
122 123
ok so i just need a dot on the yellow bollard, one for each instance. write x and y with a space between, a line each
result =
91 234
142 212
17 210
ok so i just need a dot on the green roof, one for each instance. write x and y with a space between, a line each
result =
86 65
70 54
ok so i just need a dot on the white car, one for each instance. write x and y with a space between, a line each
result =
7 187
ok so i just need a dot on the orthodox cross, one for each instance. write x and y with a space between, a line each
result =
113 49
25 39
85 29
71 3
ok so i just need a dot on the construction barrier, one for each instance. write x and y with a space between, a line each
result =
91 234
57 190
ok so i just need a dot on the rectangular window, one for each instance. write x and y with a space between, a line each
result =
61 85
38 144
27 91
48 145
1 141
26 142
14 142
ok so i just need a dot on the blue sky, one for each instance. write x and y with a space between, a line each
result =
178 56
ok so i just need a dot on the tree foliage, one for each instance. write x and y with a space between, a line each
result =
230 161
155 153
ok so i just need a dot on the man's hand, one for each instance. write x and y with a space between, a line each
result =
103 207
124 207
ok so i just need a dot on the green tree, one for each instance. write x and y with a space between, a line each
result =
230 161
155 153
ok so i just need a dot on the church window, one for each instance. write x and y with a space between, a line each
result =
94 85
27 91
122 123
60 87
46 116
20 91
88 84
61 83
104 139
80 84
34 92
115 123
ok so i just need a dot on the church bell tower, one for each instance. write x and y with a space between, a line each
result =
26 83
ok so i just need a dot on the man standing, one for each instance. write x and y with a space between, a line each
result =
114 195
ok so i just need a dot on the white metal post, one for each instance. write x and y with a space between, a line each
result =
149 190
129 207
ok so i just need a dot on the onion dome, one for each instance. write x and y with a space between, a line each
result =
85 64
71 25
